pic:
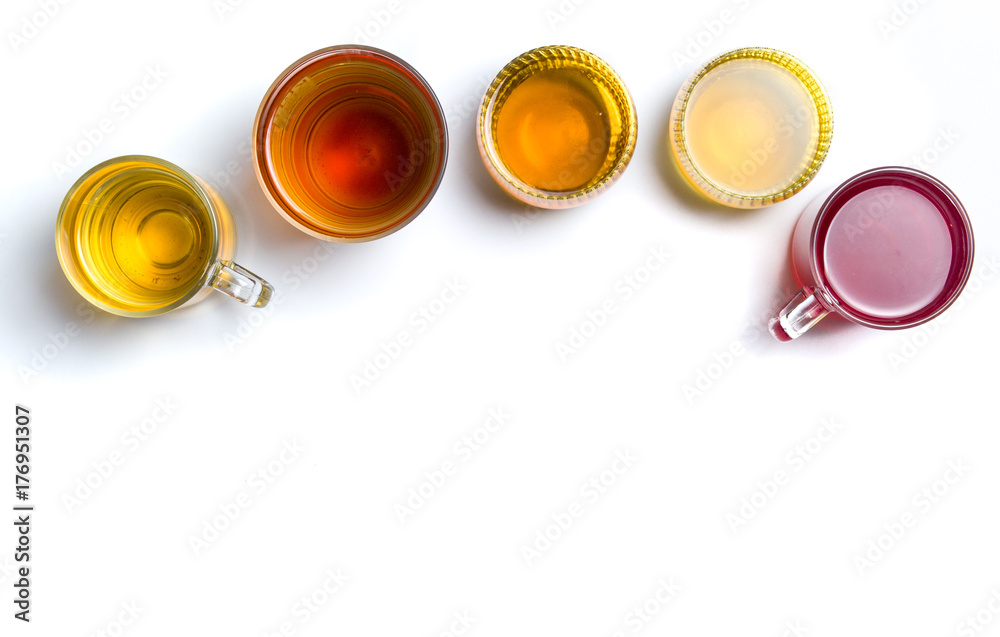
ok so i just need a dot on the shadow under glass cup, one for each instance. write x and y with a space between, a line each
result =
139 236
350 143
890 248
751 127
557 127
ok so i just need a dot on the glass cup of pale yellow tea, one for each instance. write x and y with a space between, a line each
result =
557 127
139 236
751 128
350 143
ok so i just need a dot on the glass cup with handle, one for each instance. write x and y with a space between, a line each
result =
138 236
890 248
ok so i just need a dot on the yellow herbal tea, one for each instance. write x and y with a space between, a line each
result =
137 236
557 127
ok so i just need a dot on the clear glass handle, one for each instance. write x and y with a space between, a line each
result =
241 284
801 313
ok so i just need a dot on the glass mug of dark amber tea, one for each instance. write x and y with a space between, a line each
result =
889 248
350 143
557 127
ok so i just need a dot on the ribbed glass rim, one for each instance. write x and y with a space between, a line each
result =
549 57
678 132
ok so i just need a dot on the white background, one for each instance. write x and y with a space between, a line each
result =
245 382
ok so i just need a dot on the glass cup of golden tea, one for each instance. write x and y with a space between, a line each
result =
751 128
557 127
350 143
138 236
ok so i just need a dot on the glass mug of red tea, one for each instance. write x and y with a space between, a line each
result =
350 143
889 248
